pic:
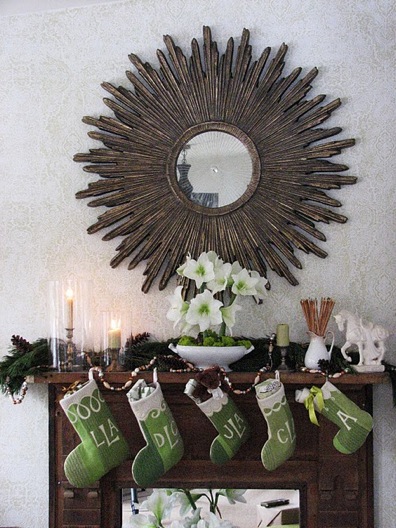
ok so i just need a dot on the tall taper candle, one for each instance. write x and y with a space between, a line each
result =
69 301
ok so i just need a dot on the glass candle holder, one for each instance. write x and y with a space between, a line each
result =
70 323
116 329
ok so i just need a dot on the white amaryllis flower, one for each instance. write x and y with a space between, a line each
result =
143 521
201 270
215 259
235 268
188 522
220 281
229 314
204 311
212 275
244 284
180 269
192 522
214 522
182 501
260 286
178 307
233 495
177 524
159 503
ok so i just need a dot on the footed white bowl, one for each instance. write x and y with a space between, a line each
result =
207 356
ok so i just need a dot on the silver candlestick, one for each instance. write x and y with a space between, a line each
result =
69 349
283 350
116 364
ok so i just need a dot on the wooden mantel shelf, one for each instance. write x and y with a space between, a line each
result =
336 490
287 378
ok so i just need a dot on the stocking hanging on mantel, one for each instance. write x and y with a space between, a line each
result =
281 441
102 447
164 446
354 423
228 420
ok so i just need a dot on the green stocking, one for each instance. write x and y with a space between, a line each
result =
354 423
281 441
102 447
229 422
164 446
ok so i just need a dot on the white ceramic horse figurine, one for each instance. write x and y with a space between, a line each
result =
368 337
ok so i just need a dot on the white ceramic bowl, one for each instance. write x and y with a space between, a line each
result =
207 356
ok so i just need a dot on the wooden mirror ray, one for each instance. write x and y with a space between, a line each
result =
249 99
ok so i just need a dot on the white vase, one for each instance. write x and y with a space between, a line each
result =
317 349
207 356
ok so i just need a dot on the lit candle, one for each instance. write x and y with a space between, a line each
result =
114 334
282 335
69 301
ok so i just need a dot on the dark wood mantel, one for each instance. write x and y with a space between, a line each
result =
288 378
336 491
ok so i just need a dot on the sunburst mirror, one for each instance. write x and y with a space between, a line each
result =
214 151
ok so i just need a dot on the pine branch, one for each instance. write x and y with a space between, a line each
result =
25 359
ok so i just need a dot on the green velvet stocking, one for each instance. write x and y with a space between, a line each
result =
354 423
102 447
281 441
164 446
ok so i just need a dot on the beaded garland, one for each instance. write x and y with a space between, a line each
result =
107 385
18 399
179 365
151 365
191 368
175 361
174 365
317 371
257 380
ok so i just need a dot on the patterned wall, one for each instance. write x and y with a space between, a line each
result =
52 64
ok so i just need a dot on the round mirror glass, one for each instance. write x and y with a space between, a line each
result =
214 169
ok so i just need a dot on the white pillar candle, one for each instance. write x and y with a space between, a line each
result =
114 334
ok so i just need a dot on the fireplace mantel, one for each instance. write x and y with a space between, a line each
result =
335 490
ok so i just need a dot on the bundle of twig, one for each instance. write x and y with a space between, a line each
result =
317 319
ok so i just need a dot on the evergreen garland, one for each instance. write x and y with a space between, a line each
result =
24 359
143 351
139 350
27 359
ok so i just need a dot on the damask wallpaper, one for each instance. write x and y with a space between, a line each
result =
52 63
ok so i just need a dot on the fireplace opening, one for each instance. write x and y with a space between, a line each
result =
244 508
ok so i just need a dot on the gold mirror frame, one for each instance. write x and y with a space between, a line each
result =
249 99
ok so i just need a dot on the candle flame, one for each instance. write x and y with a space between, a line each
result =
115 324
69 293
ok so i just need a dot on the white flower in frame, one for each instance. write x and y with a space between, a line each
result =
143 521
233 495
215 522
160 504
